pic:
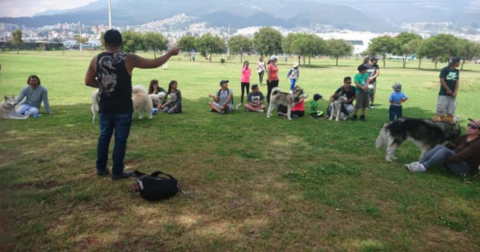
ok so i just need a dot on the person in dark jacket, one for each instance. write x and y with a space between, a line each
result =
174 104
460 157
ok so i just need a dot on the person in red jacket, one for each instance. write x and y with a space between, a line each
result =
460 157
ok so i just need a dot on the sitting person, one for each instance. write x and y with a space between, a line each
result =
460 157
174 104
298 109
255 100
35 94
154 88
223 101
347 90
314 107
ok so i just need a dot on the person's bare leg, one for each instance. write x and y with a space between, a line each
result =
214 107
363 111
250 107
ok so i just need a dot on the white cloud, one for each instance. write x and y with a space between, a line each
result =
23 8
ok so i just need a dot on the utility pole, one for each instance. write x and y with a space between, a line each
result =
228 37
109 14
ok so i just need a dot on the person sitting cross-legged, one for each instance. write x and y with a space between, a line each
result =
223 101
255 100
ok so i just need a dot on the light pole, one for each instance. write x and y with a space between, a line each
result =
228 37
109 14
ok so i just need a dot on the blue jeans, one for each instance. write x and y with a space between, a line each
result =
292 84
26 109
120 123
395 111
440 153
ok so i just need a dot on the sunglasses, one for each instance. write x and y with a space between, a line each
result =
473 126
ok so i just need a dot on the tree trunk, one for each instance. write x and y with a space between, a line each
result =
309 60
17 50
154 54
419 63
404 61
241 58
299 59
436 64
463 62
336 64
210 57
304 60
384 56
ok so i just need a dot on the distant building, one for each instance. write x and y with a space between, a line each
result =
359 40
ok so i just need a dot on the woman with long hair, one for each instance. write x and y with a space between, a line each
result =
261 70
174 104
154 88
245 82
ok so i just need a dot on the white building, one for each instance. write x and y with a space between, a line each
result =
359 40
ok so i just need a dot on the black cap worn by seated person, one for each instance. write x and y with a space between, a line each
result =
223 82
113 37
373 58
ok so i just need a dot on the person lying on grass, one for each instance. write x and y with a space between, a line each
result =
223 100
460 157
174 104
255 100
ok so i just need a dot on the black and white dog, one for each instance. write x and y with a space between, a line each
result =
286 99
424 133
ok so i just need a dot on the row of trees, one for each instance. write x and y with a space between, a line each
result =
437 48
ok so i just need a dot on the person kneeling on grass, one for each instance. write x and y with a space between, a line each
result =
460 157
314 107
298 109
255 100
174 105
223 101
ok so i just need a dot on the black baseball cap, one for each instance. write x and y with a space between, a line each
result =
373 58
223 82
317 97
454 59
362 67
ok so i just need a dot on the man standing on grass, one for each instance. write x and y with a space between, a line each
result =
447 97
373 72
111 72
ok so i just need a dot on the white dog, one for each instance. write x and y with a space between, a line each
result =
7 109
141 101
336 108
157 99
289 100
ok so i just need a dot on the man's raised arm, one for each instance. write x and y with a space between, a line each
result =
135 61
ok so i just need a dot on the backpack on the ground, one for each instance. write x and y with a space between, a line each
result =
153 187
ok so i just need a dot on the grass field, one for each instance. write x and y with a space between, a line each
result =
259 184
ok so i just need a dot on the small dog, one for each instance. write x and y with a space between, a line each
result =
426 134
7 109
336 108
141 101
289 100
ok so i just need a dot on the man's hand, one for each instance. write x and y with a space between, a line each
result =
174 51
449 92
454 95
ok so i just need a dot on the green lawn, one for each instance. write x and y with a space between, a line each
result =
259 184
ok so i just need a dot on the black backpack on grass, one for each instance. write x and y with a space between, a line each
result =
153 187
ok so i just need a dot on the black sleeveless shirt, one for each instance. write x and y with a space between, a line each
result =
115 84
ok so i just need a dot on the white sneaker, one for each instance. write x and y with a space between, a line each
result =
372 107
416 167
260 111
238 106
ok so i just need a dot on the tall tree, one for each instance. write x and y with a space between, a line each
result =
16 39
468 50
381 46
80 41
208 45
267 41
132 41
337 48
155 41
239 44
187 43
306 45
401 40
440 48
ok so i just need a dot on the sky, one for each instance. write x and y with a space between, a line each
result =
23 8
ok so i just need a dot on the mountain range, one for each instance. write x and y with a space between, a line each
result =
363 15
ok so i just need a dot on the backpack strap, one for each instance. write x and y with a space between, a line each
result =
155 174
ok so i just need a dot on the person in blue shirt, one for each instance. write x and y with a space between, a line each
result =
396 100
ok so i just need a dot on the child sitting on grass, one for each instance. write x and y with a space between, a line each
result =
396 100
314 107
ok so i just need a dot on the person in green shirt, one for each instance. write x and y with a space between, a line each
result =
314 107
362 92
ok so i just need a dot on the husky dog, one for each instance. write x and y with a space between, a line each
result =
424 133
157 99
141 101
336 108
278 97
7 109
